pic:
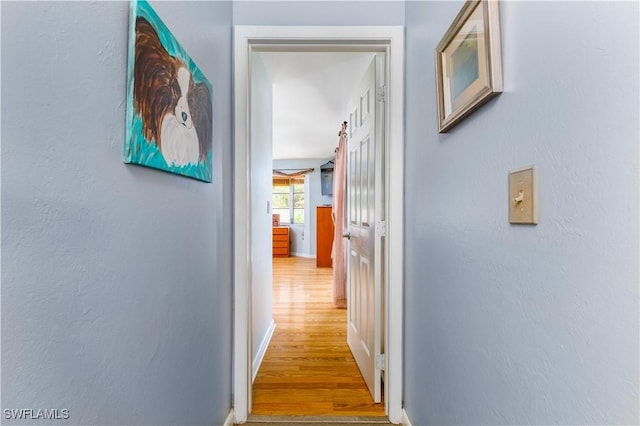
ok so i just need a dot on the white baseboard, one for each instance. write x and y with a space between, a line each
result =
263 349
405 419
229 420
307 255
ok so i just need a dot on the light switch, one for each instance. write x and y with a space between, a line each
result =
523 197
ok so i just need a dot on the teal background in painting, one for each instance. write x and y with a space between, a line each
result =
137 149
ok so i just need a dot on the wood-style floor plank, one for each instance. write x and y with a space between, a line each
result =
308 369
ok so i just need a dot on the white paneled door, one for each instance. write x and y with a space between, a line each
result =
364 191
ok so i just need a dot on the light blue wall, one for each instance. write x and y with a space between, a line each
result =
520 324
261 224
318 13
303 240
116 279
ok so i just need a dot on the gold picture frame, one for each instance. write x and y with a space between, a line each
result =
468 62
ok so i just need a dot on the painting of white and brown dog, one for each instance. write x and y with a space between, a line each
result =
171 102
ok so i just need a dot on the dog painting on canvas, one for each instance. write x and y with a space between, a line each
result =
171 105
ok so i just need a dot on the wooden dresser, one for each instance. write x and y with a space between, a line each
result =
324 236
280 241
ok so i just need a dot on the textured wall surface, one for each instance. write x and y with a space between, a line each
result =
318 13
520 324
116 279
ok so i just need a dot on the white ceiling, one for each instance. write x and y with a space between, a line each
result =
311 92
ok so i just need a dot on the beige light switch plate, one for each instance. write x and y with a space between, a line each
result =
523 196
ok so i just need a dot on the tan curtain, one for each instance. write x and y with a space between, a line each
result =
339 266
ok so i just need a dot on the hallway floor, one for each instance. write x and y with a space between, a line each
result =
308 369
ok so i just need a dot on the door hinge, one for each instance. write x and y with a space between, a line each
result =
381 94
381 361
381 228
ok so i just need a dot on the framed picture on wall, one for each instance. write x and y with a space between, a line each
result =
468 62
169 101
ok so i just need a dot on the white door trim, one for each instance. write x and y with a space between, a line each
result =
383 38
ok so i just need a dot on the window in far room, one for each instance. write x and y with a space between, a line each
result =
288 199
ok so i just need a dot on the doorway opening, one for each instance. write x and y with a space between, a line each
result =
388 40
299 105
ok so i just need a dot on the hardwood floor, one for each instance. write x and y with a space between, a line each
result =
308 368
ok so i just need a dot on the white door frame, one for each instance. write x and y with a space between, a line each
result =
389 39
